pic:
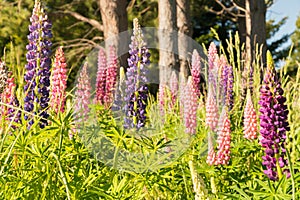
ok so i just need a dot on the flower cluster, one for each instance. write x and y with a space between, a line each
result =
273 122
82 95
250 121
227 86
137 91
3 76
101 77
212 114
59 81
196 71
37 76
190 107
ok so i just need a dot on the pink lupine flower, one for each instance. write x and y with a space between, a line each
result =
223 154
250 121
101 77
161 97
173 87
211 157
59 81
196 71
7 96
212 53
190 107
111 76
182 84
212 114
82 94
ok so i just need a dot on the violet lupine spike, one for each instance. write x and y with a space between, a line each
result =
190 107
212 68
137 91
59 81
37 76
212 114
250 119
173 88
111 77
196 71
227 86
223 140
82 95
101 77
273 123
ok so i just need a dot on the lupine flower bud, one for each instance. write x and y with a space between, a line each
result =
196 71
82 95
37 76
190 107
137 91
111 77
59 81
3 76
212 114
250 121
223 154
101 77
273 122
173 88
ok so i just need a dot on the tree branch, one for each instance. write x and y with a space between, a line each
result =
92 22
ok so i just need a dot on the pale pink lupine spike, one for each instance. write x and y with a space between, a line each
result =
211 157
7 96
212 114
182 83
223 140
196 71
212 53
82 95
190 107
58 82
174 87
161 98
250 119
101 77
111 76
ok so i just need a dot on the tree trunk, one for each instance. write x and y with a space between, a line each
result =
167 39
255 29
114 19
184 30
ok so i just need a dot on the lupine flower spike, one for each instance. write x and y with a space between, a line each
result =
101 77
223 154
190 107
59 82
3 76
137 91
212 114
250 121
111 77
82 95
196 71
37 76
227 86
273 123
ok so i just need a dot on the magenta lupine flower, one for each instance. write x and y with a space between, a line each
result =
82 95
223 140
273 122
250 121
196 71
173 88
59 82
190 107
111 76
101 77
37 76
212 114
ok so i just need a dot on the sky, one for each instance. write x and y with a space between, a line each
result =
282 8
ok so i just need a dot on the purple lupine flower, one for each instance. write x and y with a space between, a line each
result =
101 77
82 95
190 107
273 122
59 81
111 77
212 68
196 71
227 86
37 76
137 91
